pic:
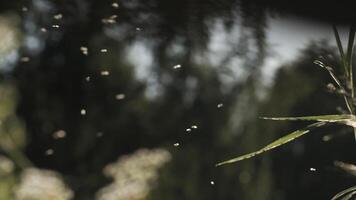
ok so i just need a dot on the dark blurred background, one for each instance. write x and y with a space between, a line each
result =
85 82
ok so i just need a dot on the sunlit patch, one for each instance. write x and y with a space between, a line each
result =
42 184
134 175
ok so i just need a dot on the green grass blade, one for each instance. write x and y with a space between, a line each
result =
349 120
349 196
344 192
338 42
320 118
350 46
341 50
281 141
346 167
349 54
349 61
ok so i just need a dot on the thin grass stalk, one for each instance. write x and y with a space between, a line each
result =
349 59
349 65
341 49
347 101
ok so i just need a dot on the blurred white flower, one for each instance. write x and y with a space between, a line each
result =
6 165
134 175
37 184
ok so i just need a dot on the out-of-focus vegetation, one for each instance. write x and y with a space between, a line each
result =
134 175
87 82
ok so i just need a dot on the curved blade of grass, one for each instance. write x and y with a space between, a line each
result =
344 192
349 54
320 118
349 120
349 196
347 167
281 141
341 49
338 42
350 46
349 63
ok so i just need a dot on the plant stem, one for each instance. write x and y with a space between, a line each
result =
341 49
349 58
349 65
346 62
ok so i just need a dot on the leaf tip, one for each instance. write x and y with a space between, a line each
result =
222 163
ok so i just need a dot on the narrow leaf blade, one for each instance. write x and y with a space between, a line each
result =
338 42
344 192
350 46
349 120
281 141
320 118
